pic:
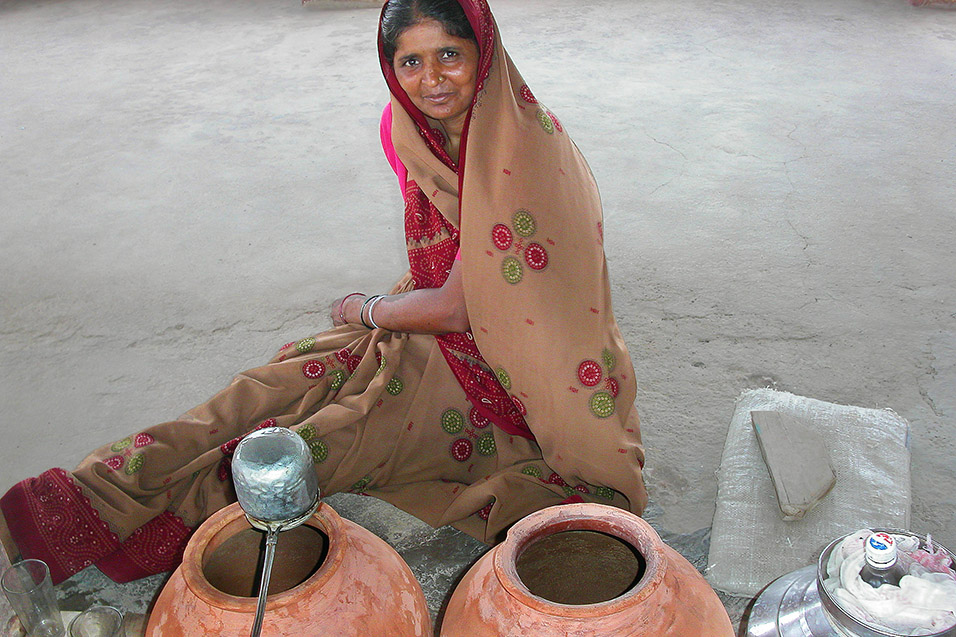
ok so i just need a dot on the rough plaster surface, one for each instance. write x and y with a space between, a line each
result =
181 184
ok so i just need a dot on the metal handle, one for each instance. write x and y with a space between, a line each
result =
271 539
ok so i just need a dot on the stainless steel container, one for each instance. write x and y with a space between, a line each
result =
277 489
842 621
790 607
797 604
275 479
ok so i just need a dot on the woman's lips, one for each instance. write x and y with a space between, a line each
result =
439 98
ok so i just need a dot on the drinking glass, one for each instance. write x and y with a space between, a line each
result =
6 611
98 621
28 587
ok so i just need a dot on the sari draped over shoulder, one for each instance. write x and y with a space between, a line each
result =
532 407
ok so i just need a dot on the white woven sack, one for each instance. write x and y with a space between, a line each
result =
751 545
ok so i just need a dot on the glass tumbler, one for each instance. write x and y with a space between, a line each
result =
28 587
98 621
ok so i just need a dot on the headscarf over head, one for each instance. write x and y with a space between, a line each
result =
523 206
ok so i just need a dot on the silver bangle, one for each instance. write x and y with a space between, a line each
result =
371 306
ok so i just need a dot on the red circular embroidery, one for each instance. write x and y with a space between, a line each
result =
582 489
287 346
142 440
527 95
439 136
536 256
501 236
353 363
612 387
556 479
270 422
313 369
557 124
477 419
115 463
461 449
343 355
486 512
589 373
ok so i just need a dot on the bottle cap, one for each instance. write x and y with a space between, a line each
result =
880 549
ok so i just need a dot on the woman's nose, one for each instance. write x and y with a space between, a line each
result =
433 75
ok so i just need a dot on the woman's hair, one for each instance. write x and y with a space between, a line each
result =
401 14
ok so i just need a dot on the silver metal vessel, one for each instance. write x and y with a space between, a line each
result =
790 607
277 489
798 605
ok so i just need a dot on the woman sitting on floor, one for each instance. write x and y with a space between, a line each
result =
491 382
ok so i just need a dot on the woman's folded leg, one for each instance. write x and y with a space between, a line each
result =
131 505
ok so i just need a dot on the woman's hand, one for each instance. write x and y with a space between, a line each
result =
346 309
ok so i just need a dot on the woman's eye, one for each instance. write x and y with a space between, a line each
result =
449 55
410 62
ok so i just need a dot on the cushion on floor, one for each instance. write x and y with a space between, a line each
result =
751 545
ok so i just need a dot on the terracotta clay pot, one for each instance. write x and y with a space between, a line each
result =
584 569
330 577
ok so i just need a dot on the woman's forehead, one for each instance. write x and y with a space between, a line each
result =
426 35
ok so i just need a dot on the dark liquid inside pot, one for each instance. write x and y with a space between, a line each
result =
235 567
580 567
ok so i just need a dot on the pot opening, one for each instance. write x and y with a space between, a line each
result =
235 566
580 567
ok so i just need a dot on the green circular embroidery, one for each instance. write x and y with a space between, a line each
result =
545 120
134 464
524 223
602 404
532 470
361 484
120 445
511 269
338 378
609 360
305 345
604 492
395 386
307 432
486 444
569 491
320 450
381 366
503 377
452 421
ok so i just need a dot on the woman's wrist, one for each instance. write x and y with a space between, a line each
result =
365 312
350 304
371 309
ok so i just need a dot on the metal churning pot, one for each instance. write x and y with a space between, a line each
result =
277 489
798 605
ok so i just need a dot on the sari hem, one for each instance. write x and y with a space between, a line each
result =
50 519
155 547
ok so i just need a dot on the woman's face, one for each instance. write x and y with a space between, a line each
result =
438 72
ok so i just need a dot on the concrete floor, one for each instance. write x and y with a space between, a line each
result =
179 182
